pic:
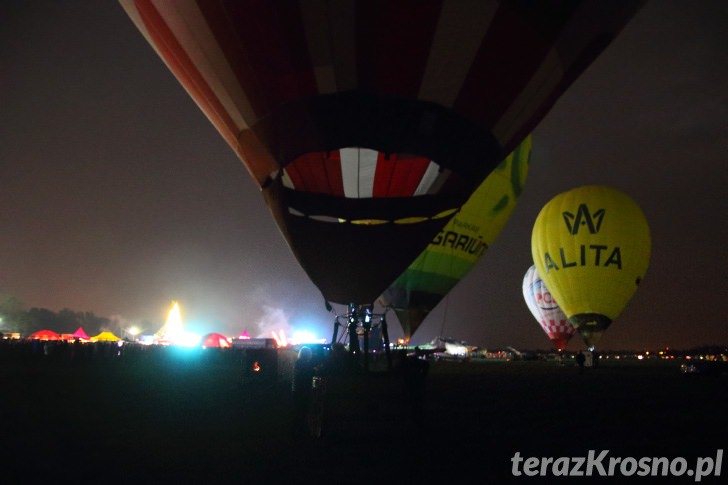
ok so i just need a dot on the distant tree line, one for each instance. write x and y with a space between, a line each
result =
14 318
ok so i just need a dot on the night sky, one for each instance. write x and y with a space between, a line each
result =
117 195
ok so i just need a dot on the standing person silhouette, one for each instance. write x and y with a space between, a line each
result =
303 372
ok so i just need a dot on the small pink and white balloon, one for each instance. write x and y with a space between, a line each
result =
545 310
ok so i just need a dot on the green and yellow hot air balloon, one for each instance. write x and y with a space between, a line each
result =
460 244
591 246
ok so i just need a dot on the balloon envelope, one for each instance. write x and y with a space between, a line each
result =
591 246
368 123
460 245
545 310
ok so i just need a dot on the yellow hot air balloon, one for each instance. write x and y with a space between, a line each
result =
591 246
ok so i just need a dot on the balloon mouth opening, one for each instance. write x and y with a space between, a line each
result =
590 321
338 210
560 343
591 327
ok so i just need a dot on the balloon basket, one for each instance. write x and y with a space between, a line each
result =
364 334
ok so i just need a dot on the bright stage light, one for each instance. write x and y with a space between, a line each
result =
188 339
306 337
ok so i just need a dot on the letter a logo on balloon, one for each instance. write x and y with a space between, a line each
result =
584 218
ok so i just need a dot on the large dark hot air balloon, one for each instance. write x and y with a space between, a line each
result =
368 123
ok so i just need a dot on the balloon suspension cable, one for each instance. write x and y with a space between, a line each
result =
444 316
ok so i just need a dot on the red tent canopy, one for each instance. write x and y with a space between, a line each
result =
216 340
45 335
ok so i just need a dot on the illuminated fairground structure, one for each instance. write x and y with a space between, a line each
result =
172 332
365 331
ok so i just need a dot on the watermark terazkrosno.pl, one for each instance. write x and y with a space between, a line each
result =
601 464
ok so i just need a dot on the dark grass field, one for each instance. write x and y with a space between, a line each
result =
185 418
